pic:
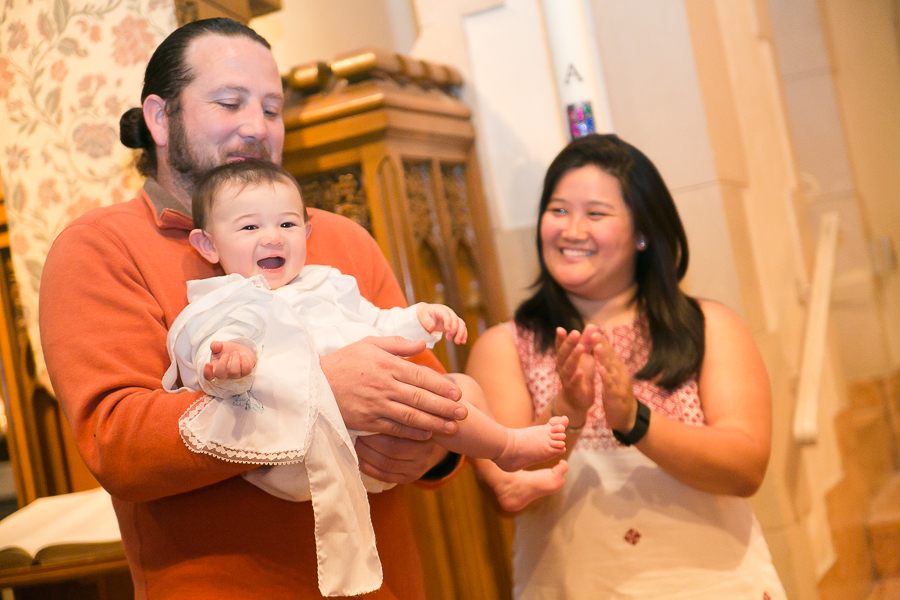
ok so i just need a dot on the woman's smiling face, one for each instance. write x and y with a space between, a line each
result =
587 235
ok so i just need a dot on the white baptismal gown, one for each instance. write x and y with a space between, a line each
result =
284 414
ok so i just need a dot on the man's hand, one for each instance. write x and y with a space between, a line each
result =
229 361
396 460
380 392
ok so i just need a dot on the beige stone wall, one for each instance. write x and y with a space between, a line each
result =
821 131
862 44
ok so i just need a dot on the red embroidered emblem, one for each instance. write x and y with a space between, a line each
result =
633 537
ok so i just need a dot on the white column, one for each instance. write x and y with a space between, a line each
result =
576 67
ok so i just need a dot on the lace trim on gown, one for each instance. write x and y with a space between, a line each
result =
226 453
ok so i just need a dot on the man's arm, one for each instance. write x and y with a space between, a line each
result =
375 389
103 331
379 391
398 460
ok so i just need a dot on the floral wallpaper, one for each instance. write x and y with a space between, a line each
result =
68 70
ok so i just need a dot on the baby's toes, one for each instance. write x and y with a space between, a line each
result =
558 423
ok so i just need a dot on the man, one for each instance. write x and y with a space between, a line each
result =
114 281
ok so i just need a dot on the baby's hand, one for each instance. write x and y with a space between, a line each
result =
437 317
229 361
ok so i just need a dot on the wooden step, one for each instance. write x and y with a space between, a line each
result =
853 574
873 442
884 529
892 396
888 589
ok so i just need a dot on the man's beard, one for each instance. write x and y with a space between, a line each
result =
185 160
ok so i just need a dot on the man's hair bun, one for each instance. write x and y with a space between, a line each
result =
133 130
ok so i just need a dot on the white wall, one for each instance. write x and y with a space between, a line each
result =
499 48
308 30
655 101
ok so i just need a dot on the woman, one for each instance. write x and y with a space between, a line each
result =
667 398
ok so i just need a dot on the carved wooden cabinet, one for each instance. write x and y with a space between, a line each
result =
381 139
383 143
188 11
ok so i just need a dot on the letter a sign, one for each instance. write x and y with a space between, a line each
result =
572 72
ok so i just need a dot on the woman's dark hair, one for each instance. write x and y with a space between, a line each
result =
675 320
249 172
166 76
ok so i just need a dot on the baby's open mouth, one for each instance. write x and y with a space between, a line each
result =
272 262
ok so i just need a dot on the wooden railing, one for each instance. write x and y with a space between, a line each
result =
806 430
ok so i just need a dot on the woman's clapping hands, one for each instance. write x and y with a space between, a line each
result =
619 404
577 368
580 357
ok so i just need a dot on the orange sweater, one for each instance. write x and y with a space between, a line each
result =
113 282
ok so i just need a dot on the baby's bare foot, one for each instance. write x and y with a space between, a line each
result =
517 490
533 445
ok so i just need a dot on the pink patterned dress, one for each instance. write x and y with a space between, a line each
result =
621 527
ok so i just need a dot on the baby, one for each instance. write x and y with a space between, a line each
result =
251 339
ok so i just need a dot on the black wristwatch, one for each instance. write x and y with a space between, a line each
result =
447 465
641 425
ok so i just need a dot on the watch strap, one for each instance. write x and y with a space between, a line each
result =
641 425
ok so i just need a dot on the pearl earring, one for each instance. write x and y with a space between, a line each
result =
642 243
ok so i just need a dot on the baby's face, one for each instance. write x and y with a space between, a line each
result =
260 229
